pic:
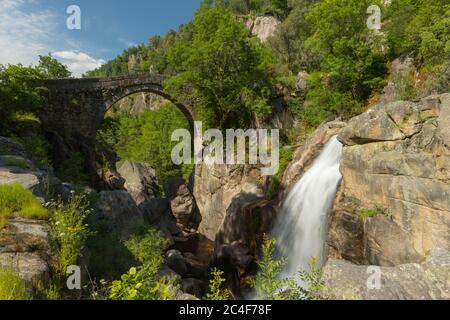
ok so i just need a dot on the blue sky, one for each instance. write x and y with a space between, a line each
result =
29 28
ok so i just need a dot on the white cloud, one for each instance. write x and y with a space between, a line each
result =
25 34
78 62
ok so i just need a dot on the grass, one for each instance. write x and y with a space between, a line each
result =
15 199
373 212
11 286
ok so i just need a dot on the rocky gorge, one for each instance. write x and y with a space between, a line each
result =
391 209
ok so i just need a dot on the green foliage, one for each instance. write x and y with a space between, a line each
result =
11 286
15 199
69 231
221 69
215 287
147 136
270 286
52 68
16 93
148 247
288 42
373 212
286 154
314 287
267 284
144 282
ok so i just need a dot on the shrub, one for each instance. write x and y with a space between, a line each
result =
267 282
69 231
215 287
11 286
143 282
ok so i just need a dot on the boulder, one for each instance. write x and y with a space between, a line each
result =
372 126
176 262
12 148
165 271
182 202
426 281
194 287
118 210
140 181
25 247
217 187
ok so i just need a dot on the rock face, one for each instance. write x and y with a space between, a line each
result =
139 102
182 202
140 181
393 206
263 27
429 280
218 187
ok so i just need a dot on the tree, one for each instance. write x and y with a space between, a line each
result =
17 95
52 68
221 70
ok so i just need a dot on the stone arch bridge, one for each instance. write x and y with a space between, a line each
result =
75 109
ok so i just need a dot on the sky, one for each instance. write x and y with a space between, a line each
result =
29 28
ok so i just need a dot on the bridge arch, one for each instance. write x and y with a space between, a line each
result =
126 91
75 109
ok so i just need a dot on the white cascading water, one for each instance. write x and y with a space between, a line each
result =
300 229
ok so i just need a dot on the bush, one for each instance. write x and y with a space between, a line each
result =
16 199
267 282
216 292
143 282
11 286
69 231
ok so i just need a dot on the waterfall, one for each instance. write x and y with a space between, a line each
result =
300 228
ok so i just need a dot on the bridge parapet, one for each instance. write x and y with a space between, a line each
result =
95 84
